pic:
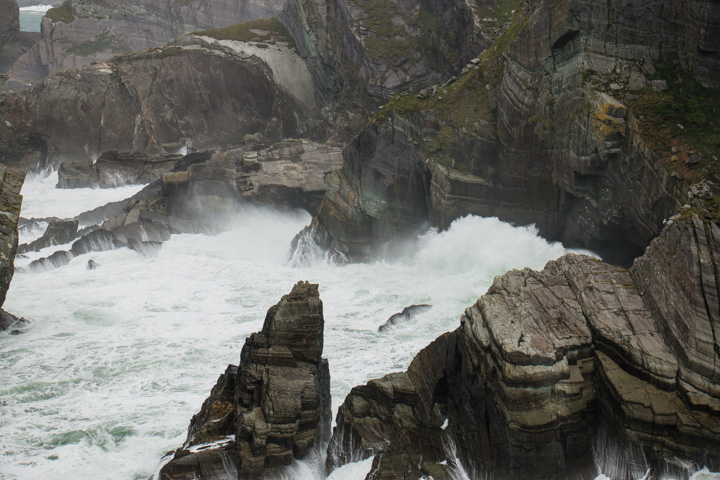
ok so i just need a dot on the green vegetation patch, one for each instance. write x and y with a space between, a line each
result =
102 43
267 31
60 14
682 124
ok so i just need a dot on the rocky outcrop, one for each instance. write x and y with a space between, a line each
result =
114 169
11 181
58 232
544 127
292 173
272 408
159 101
79 32
558 373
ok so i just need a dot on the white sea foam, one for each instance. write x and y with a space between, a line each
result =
42 199
36 8
117 359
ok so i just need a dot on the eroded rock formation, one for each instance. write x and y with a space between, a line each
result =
272 408
80 32
159 101
553 374
542 128
11 181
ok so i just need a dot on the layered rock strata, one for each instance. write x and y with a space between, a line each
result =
525 135
80 32
114 169
159 101
272 408
11 181
558 373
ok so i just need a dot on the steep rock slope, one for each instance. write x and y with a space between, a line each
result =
11 181
542 128
554 374
273 408
203 91
80 32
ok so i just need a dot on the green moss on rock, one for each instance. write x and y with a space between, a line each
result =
60 14
264 31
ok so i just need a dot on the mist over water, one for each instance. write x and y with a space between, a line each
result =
117 359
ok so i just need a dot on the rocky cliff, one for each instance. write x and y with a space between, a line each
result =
203 91
79 32
557 124
273 408
558 373
9 22
11 181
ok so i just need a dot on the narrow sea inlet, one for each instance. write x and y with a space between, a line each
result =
117 359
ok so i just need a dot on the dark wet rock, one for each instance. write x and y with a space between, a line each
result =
51 262
92 264
8 321
9 23
114 169
97 241
553 374
276 404
11 181
59 232
408 313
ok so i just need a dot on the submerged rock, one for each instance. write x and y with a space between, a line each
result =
408 313
272 408
59 232
558 373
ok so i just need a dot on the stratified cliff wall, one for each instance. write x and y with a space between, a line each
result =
541 128
201 92
558 373
80 32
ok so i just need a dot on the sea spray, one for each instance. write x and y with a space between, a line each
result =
118 358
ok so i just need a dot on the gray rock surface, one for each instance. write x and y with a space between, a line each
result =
524 136
83 31
11 181
276 403
553 374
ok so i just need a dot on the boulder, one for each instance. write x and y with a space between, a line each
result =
59 232
272 408
558 373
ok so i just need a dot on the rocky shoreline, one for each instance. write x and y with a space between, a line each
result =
593 120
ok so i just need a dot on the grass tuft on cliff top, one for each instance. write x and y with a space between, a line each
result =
682 122
267 31
60 14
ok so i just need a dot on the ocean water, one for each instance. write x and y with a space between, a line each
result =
117 359
31 17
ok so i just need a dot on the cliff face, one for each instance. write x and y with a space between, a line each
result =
9 22
543 128
11 181
374 49
553 374
200 92
80 32
276 404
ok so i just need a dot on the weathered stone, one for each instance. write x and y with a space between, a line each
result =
11 181
553 373
276 404
59 232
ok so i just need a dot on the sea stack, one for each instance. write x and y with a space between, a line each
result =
272 408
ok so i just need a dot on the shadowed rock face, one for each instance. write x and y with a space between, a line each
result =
9 22
524 136
271 409
11 181
548 366
200 92
95 30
